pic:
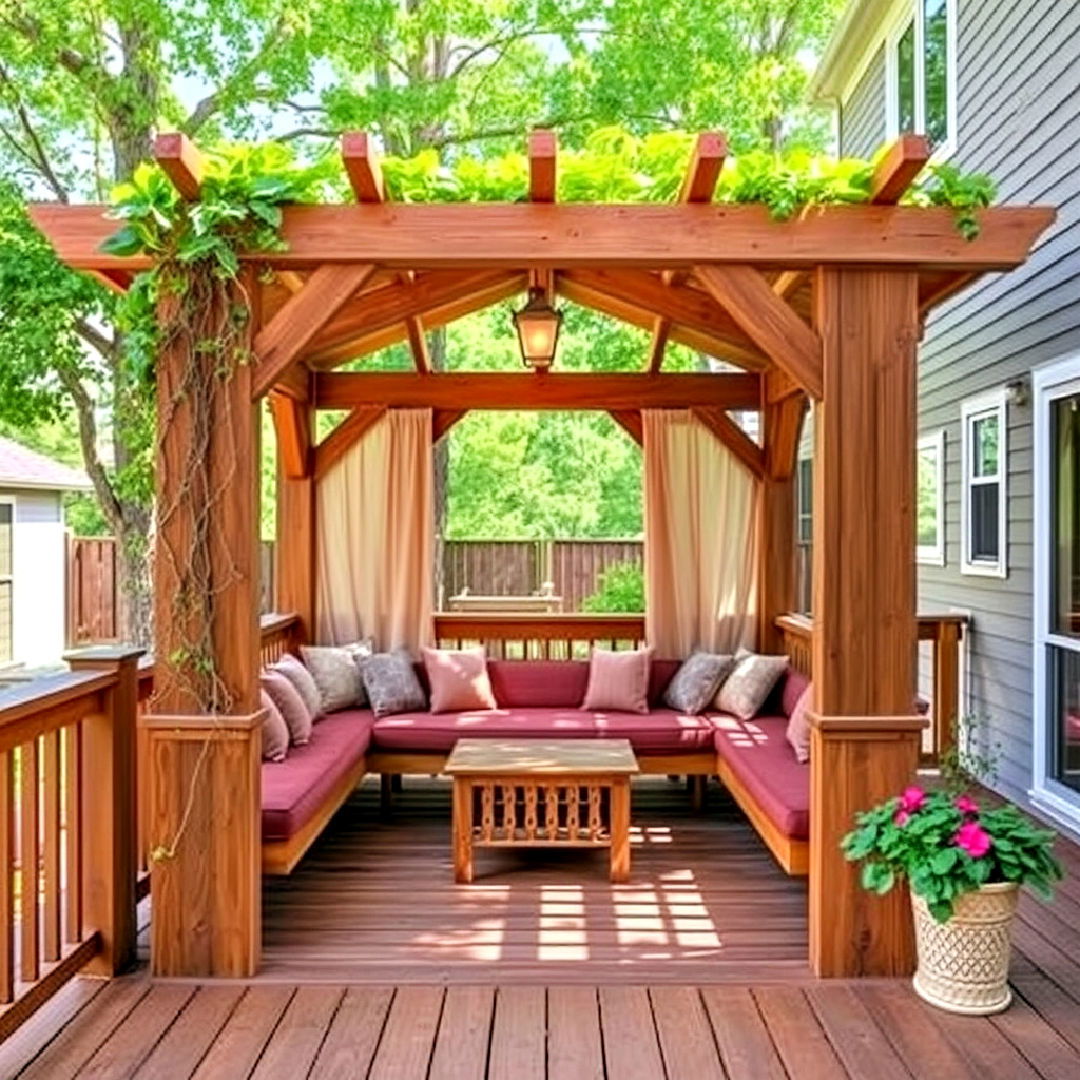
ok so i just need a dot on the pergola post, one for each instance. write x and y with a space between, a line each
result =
865 742
204 775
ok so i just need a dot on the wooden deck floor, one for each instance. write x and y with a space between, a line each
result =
629 1021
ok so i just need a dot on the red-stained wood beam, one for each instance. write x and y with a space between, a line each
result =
788 282
361 161
353 428
414 327
630 421
902 163
706 164
284 338
181 162
293 433
543 166
442 420
767 321
290 279
733 437
295 383
117 281
661 334
782 425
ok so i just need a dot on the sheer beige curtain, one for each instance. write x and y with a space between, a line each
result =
700 539
374 529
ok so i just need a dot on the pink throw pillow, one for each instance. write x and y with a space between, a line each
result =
275 732
303 681
290 704
798 728
619 681
458 679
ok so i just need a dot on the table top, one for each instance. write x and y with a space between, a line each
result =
542 757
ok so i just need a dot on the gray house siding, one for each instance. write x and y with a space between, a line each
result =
1018 120
862 115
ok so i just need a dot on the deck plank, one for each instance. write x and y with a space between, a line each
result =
575 1050
518 1035
1060 1010
742 1038
686 1039
241 1041
858 1042
183 1046
353 1036
1047 1051
46 1025
797 1034
299 1035
991 1055
405 1049
631 1048
461 1046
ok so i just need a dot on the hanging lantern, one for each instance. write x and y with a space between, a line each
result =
538 330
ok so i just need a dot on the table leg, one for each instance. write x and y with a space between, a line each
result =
463 830
620 831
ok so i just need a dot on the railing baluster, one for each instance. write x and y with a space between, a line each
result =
29 821
7 877
50 849
73 833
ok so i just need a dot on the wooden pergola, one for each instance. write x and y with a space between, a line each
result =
827 306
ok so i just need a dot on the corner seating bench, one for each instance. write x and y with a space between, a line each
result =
541 699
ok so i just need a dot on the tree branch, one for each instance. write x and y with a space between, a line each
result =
36 155
95 338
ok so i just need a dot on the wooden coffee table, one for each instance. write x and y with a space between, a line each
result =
517 793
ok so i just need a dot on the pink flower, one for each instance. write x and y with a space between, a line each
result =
973 839
900 818
912 799
966 804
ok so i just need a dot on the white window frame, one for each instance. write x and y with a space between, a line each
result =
927 554
905 12
1057 379
9 500
993 403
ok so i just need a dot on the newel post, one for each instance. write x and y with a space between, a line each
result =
109 822
865 739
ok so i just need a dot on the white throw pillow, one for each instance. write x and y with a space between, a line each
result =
748 687
336 674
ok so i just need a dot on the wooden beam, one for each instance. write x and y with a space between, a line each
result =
706 163
473 236
782 424
767 321
414 327
294 550
353 428
181 162
361 161
630 421
288 333
291 427
543 166
389 308
788 282
901 164
661 333
934 292
733 437
295 383
117 281
442 420
292 281
638 297
553 390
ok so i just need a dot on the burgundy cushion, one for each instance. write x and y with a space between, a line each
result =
795 682
661 731
761 757
541 684
660 674
293 790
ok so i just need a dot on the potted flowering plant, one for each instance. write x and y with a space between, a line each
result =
964 864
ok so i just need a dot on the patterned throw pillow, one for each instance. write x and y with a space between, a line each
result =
619 681
391 684
360 651
302 680
695 683
336 674
458 679
746 689
275 732
290 704
798 728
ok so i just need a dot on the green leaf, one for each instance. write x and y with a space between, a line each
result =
124 242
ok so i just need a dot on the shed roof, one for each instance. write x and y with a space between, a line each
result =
21 467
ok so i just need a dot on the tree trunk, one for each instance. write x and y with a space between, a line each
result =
133 585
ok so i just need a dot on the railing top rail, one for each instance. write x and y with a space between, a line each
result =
50 691
271 621
526 619
927 623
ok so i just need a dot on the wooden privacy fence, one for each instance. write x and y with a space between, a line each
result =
522 567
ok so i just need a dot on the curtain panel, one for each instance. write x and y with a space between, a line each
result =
700 539
374 537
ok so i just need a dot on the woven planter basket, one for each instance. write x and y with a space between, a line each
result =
964 963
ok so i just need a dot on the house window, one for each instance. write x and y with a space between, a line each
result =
930 507
7 525
983 513
921 60
804 532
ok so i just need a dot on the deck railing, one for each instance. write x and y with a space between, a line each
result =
526 636
944 633
67 829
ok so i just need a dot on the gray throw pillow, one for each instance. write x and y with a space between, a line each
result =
392 685
336 674
695 683
748 687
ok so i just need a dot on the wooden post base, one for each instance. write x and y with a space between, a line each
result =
855 763
205 833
